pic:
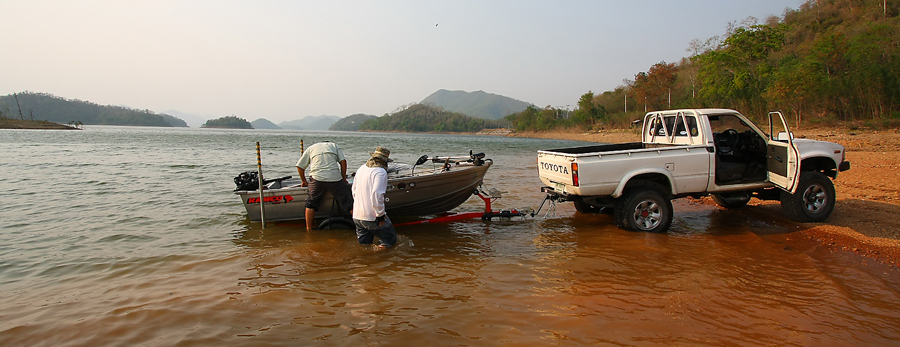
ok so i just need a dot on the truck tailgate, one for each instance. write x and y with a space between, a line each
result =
560 165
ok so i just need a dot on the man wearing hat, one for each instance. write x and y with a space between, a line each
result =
369 186
327 169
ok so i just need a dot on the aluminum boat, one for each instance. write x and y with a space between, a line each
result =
412 190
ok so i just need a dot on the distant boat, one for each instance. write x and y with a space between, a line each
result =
413 190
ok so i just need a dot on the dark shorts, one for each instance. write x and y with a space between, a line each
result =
340 190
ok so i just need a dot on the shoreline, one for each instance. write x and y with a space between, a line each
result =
864 220
8 123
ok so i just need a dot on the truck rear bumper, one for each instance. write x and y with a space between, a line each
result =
558 195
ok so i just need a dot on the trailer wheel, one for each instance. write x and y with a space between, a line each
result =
643 209
731 200
813 201
337 223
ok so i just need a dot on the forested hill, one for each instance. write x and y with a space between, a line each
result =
476 104
426 118
42 106
351 122
826 62
837 59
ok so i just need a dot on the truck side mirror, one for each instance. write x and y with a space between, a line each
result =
783 136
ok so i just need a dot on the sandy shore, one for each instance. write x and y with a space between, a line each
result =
866 219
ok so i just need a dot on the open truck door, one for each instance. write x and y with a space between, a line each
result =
782 156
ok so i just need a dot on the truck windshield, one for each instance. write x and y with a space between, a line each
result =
721 123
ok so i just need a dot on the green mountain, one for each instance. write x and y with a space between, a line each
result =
427 118
310 123
42 106
174 121
263 123
192 120
476 104
351 122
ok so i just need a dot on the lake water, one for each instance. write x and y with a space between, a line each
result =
132 236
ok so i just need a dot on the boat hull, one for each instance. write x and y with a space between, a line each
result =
429 193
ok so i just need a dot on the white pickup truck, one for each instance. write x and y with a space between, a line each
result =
696 152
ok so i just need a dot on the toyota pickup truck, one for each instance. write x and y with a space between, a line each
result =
696 152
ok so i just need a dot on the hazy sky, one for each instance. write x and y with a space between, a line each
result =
284 60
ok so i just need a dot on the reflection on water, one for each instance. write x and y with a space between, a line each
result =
122 236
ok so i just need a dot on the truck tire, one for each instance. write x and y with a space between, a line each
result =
813 200
643 209
731 200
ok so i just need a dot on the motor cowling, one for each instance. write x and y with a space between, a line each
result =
247 181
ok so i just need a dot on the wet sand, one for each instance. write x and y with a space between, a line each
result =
866 218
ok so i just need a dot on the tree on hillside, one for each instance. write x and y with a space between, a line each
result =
589 114
737 74
655 86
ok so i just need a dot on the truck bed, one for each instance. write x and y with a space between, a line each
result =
599 148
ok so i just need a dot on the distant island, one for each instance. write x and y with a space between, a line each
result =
230 122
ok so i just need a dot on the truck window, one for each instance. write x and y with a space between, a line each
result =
657 128
691 124
663 126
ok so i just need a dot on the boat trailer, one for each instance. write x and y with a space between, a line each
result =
488 196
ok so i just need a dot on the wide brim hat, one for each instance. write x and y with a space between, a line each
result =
382 153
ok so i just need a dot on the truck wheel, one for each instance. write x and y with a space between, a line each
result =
643 209
731 200
813 200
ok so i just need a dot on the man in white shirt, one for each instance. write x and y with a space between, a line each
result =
369 216
327 168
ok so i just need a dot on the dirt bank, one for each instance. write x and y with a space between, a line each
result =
866 219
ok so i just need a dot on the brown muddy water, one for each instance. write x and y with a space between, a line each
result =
132 236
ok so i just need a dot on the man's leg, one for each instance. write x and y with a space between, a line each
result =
310 219
343 194
315 191
364 236
387 234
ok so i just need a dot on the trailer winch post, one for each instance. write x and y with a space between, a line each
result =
262 209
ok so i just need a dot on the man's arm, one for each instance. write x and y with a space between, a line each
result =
302 164
302 177
343 169
378 189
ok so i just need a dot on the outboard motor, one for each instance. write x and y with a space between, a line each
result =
477 158
247 181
